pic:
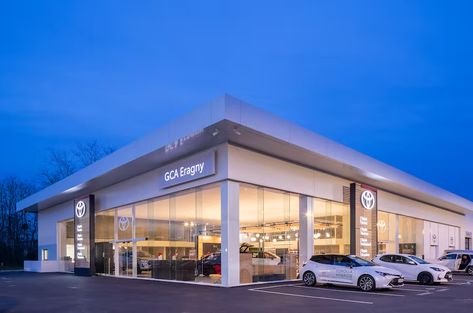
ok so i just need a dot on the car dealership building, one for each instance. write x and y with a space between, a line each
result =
230 195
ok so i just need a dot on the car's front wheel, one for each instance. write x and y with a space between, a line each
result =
309 278
366 283
469 270
426 279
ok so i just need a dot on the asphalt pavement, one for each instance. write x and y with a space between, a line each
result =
54 292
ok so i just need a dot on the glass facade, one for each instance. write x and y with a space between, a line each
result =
269 234
409 235
176 237
331 227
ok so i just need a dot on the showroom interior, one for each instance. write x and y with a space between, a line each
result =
230 195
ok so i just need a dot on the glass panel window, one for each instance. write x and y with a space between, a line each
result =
45 255
104 237
331 227
66 244
152 235
411 236
386 232
269 234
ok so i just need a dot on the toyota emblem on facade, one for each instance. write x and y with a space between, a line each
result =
80 209
367 200
123 223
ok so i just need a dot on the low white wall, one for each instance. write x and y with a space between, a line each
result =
47 266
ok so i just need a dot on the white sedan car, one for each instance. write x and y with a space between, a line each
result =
414 268
349 270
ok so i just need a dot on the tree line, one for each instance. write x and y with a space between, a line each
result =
19 230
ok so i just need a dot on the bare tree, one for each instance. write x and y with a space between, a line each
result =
90 152
60 163
18 230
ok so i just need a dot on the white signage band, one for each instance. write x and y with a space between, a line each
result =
195 167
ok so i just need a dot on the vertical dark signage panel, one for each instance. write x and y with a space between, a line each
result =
84 236
363 220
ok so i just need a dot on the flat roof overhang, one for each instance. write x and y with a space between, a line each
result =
228 119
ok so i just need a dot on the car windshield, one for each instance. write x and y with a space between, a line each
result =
418 260
361 262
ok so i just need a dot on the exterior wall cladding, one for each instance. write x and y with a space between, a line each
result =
238 164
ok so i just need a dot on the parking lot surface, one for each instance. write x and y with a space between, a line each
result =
33 292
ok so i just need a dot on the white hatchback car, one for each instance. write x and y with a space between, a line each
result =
349 270
414 268
458 261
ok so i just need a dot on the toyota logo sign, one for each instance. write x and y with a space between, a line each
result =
123 223
80 209
367 200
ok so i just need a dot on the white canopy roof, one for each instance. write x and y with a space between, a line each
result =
228 119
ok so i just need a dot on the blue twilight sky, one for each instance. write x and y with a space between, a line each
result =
392 79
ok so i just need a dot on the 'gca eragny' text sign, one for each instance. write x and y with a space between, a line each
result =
195 167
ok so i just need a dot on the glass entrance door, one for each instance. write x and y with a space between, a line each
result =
104 258
126 266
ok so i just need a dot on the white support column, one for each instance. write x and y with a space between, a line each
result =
230 196
306 232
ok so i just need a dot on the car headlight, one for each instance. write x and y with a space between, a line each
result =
437 269
383 273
